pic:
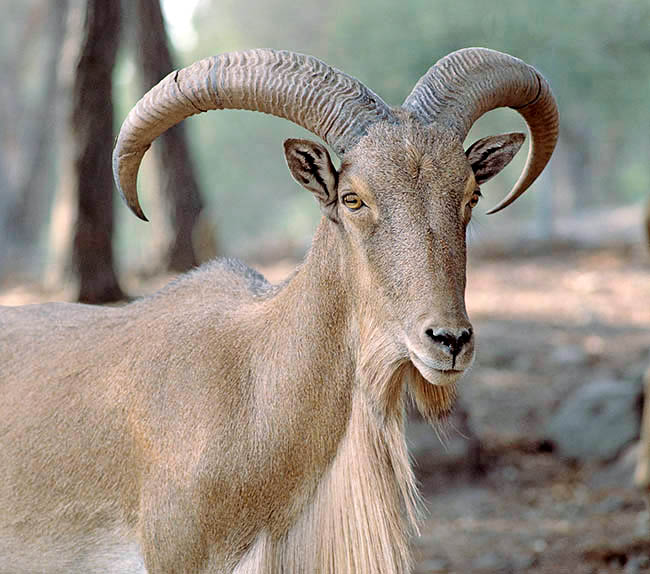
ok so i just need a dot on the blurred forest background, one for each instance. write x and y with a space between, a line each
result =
595 53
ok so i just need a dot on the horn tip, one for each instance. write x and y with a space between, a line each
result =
137 210
125 173
495 209
132 202
131 199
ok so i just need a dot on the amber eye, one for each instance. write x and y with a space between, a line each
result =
473 202
352 201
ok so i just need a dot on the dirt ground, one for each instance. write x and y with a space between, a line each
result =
546 322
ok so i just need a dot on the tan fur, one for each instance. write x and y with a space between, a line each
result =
226 425
355 521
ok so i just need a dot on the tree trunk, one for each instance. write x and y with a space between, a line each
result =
642 475
174 164
92 130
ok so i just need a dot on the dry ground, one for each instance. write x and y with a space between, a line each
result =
546 323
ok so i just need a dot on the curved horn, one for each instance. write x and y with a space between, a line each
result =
302 89
461 87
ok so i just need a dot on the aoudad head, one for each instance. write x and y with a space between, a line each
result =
406 187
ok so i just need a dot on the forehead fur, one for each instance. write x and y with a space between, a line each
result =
409 156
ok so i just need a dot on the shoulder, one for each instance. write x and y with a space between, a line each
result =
224 278
231 273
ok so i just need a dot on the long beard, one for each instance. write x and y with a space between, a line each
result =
434 402
386 375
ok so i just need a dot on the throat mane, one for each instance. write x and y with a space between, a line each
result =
361 512
359 518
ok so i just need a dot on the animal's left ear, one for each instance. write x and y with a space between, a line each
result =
311 166
488 156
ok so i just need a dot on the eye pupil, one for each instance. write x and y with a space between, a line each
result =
352 201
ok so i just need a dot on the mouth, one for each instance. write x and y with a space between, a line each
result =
433 371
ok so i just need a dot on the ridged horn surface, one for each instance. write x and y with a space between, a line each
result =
461 87
332 105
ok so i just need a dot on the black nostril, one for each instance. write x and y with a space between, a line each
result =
442 337
465 336
446 338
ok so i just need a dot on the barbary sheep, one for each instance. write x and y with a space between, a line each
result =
228 425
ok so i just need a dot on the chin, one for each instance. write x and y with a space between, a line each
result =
435 376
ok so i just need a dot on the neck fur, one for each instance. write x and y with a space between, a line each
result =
361 513
358 519
364 505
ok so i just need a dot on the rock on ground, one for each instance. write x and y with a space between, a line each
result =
597 421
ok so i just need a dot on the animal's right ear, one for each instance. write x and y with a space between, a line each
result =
311 166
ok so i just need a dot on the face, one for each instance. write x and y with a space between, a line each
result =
405 198
402 202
